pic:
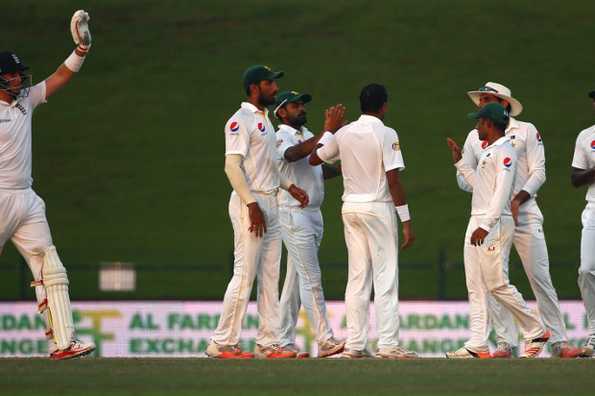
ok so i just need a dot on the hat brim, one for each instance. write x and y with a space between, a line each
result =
275 75
516 107
304 98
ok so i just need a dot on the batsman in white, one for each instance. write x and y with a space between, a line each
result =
22 211
529 239
489 237
302 229
583 174
371 160
251 167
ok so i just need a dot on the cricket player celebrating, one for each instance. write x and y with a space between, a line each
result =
583 174
22 211
529 238
302 229
489 237
371 160
251 167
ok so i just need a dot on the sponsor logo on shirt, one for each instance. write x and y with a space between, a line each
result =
484 144
261 127
538 136
234 126
593 145
507 162
396 146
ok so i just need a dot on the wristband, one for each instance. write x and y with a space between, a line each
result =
403 212
74 62
326 136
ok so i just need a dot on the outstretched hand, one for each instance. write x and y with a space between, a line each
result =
455 150
79 28
334 118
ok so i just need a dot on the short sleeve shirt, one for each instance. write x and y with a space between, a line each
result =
584 156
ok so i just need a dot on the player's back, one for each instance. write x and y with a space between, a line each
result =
360 148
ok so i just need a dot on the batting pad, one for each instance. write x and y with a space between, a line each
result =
55 282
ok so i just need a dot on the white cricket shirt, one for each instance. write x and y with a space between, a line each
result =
367 150
492 181
249 132
308 177
15 139
530 173
584 156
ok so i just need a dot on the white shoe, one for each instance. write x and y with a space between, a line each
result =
396 353
330 347
217 351
273 352
589 348
534 347
353 354
464 353
503 351
77 348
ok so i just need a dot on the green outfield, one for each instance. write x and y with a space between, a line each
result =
177 377
129 158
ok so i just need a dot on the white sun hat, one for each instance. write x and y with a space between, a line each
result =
500 91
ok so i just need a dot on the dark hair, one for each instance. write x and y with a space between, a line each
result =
372 98
500 125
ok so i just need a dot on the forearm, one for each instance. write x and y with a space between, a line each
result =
582 177
535 181
65 71
301 150
463 185
466 172
499 200
237 179
522 197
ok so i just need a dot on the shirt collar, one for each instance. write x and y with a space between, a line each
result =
371 119
512 124
254 109
292 130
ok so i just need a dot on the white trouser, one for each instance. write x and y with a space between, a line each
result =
586 272
253 257
529 242
23 221
486 273
302 233
371 238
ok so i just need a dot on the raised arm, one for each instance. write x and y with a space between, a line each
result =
82 38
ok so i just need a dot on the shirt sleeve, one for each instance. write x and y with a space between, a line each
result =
580 160
329 152
283 143
505 168
37 94
467 165
535 161
237 137
392 158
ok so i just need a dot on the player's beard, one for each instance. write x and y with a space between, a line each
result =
266 100
298 121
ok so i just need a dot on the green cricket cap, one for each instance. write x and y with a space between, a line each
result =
257 73
291 97
492 111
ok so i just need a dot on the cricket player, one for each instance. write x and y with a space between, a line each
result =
251 167
371 160
490 235
583 174
529 239
302 229
22 211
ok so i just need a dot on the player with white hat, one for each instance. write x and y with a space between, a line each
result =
302 228
583 174
22 212
529 238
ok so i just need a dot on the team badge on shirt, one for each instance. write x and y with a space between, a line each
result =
507 162
593 145
484 144
396 146
234 126
261 127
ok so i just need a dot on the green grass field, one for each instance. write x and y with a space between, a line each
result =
129 158
178 377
